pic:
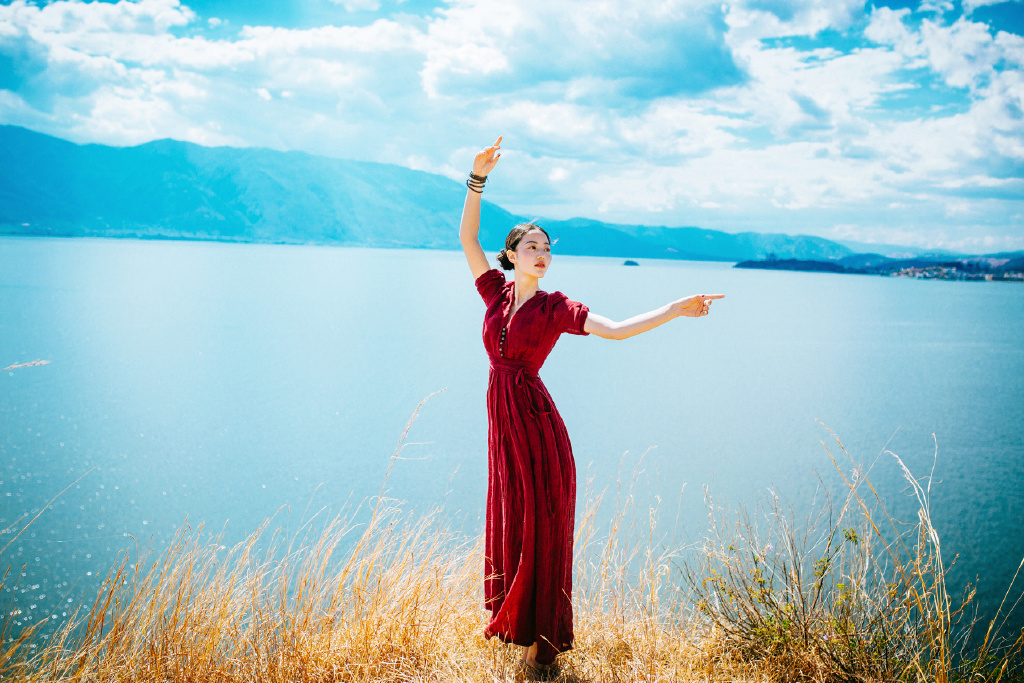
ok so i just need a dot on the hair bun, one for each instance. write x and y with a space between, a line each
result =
504 261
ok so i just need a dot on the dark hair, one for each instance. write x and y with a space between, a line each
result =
512 241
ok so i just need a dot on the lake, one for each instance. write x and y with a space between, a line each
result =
227 383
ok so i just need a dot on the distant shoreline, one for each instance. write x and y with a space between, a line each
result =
984 269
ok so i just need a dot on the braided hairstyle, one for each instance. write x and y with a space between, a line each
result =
512 241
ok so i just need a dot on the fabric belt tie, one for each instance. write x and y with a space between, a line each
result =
523 373
526 373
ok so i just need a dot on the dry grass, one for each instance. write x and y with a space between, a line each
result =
847 595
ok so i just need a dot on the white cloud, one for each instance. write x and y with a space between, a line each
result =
965 53
886 27
144 16
970 5
966 237
795 92
672 129
567 122
358 5
935 6
382 36
790 177
807 18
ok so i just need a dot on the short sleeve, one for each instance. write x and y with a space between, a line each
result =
489 285
571 315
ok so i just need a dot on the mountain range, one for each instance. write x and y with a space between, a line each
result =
169 189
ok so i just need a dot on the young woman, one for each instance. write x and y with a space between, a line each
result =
531 489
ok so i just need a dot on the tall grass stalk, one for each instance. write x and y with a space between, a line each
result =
845 594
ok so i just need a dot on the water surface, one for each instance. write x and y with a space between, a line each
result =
225 383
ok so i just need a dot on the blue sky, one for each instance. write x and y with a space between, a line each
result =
899 123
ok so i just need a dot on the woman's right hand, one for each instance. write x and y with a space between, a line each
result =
486 159
694 306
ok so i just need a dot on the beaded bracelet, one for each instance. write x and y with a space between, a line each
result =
476 183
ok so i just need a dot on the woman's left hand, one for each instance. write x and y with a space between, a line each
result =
695 306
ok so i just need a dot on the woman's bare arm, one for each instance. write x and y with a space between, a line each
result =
469 229
692 306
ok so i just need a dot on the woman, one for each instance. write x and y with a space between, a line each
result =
531 490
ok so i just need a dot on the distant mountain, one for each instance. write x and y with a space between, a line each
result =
594 238
863 261
178 190
895 251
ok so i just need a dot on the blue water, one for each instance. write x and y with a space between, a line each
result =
224 384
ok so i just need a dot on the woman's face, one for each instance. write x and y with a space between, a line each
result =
533 254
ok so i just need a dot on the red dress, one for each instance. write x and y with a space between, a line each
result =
531 486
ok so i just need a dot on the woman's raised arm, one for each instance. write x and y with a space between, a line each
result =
692 306
469 229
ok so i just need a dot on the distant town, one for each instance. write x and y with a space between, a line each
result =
995 267
955 273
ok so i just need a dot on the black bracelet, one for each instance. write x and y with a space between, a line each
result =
474 176
473 186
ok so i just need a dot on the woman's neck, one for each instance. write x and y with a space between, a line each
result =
525 287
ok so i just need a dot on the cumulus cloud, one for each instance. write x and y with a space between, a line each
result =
985 138
970 5
935 6
758 19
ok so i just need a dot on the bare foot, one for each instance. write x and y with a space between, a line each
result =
530 660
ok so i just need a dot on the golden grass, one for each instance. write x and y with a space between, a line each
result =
404 603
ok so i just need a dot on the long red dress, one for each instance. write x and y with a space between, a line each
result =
531 487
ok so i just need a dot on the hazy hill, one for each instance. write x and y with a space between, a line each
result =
170 189
180 190
895 251
584 236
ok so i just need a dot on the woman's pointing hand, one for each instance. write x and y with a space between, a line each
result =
695 306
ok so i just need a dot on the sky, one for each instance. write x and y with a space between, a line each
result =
886 122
